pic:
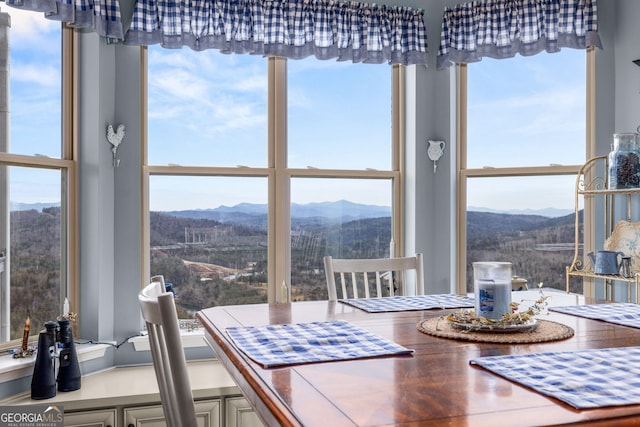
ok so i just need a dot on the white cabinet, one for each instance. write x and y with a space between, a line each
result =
98 418
127 396
207 413
239 413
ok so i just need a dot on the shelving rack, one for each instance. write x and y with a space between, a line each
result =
592 182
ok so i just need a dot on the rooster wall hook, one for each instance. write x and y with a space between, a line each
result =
115 138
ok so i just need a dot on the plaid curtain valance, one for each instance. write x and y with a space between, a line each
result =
503 28
348 31
103 16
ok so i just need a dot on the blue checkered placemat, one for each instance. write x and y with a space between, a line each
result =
406 303
287 344
625 314
583 379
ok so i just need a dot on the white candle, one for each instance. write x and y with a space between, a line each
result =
284 296
65 307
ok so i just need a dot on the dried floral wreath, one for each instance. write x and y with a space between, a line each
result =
515 317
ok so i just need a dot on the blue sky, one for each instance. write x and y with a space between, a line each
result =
526 111
216 107
34 98
35 83
205 99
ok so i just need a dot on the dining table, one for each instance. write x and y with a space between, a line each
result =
434 384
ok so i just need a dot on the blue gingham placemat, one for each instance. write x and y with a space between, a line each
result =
625 314
583 379
288 344
406 303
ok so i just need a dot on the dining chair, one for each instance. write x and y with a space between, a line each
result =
355 274
169 362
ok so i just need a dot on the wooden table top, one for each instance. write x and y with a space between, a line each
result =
436 386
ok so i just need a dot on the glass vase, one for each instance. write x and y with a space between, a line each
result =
624 162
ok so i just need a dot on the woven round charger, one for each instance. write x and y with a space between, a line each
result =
546 330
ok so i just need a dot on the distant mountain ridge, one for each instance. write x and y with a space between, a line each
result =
342 210
17 206
547 212
338 211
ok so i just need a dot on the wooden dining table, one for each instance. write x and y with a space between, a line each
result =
434 386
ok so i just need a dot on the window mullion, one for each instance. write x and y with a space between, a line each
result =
398 161
279 185
461 130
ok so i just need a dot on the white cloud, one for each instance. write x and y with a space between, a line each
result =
180 88
29 27
556 109
36 74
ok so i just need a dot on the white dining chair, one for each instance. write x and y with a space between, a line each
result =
357 274
169 362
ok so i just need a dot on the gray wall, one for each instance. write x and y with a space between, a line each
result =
430 198
96 188
625 83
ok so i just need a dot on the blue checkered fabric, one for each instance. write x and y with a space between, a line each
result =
347 31
503 28
582 379
407 303
288 344
619 313
101 15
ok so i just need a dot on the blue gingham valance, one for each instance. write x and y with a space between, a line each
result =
348 31
103 16
503 28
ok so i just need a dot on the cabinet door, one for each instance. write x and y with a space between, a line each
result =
239 413
101 418
207 412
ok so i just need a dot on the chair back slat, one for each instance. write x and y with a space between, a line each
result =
379 278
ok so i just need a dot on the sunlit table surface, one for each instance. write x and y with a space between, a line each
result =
435 386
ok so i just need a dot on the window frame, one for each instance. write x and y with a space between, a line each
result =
67 165
464 173
279 176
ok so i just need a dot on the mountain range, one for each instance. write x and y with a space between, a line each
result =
548 212
341 210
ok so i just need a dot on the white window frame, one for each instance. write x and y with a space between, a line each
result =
67 165
279 175
463 173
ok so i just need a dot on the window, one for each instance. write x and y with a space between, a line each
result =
36 176
525 139
283 162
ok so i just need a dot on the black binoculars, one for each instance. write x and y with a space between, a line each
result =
43 382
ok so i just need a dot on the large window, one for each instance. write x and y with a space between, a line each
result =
36 174
524 139
258 168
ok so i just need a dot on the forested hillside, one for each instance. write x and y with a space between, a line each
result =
539 247
35 268
219 263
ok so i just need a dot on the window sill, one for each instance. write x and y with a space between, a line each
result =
189 340
11 369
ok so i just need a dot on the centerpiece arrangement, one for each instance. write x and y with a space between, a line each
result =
516 325
515 320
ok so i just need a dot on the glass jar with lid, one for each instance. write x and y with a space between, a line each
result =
624 162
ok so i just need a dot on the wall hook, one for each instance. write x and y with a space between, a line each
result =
115 139
435 151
